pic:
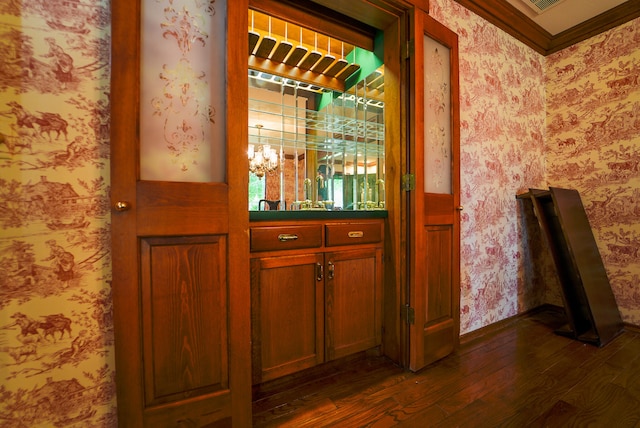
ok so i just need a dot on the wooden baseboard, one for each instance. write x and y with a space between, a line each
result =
497 326
632 328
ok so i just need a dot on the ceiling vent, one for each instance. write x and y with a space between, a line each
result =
539 6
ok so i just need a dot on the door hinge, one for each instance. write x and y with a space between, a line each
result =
408 49
408 314
408 182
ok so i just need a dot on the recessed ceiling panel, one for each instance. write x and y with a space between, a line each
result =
556 16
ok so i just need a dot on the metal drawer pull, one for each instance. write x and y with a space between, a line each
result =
284 237
355 234
319 271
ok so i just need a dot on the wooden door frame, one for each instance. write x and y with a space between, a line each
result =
124 118
387 16
392 17
237 122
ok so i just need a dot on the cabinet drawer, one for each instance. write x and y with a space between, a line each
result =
353 233
273 238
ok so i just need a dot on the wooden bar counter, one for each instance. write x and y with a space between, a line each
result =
316 288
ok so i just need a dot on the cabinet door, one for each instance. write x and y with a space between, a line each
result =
353 294
287 314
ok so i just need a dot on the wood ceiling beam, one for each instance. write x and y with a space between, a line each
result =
318 19
295 73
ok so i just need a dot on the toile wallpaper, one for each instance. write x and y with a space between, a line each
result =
593 145
56 330
568 120
572 119
502 148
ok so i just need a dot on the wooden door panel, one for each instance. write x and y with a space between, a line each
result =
185 326
353 294
435 212
439 317
171 208
287 315
441 341
439 295
437 208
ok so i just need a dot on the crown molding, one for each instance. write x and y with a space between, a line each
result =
511 20
619 15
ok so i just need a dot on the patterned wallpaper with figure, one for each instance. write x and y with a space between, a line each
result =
502 148
593 145
56 332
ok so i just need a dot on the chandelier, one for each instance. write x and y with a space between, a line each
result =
262 159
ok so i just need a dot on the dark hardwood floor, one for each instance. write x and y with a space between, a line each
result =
521 375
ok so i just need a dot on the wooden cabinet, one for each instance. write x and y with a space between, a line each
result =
353 295
287 297
311 305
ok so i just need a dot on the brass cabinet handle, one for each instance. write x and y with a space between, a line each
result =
319 271
122 206
459 208
331 268
284 237
355 234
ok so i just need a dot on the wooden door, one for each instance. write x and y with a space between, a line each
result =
180 258
354 306
434 235
287 314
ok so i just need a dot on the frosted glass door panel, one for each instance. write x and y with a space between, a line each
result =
437 117
182 135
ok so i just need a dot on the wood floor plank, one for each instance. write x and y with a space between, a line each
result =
544 390
477 414
410 417
529 357
358 415
532 398
557 416
498 371
279 416
590 391
628 352
522 375
530 390
614 404
284 391
453 374
536 388
326 390
629 379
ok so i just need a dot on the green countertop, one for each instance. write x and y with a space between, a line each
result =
316 215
